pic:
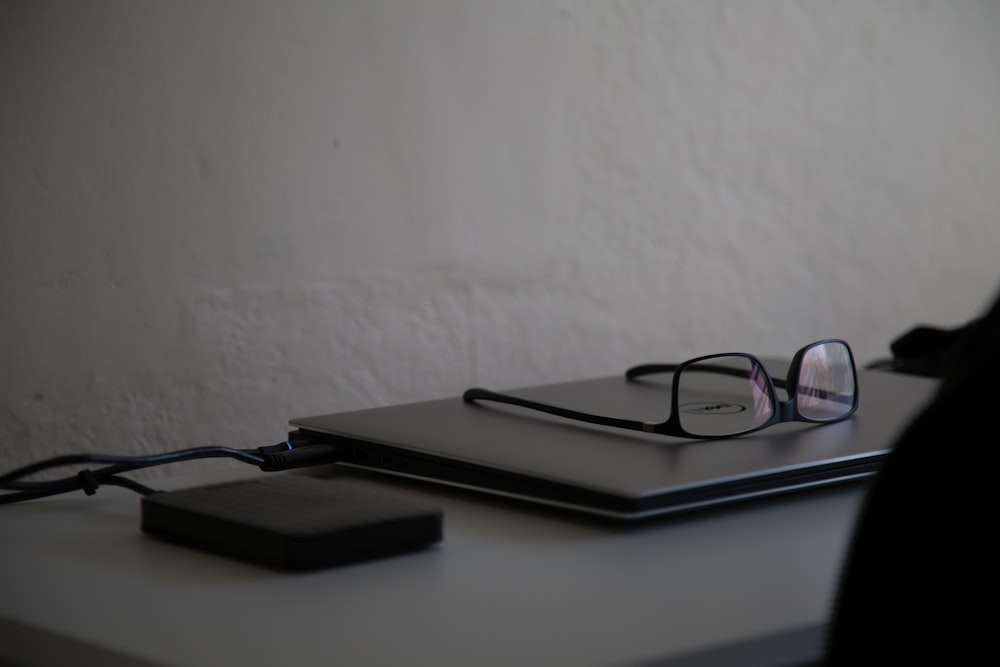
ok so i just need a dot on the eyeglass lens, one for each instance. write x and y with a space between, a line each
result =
723 395
728 394
826 382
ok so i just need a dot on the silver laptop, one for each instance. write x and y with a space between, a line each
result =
621 474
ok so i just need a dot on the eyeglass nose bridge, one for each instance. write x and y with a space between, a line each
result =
785 409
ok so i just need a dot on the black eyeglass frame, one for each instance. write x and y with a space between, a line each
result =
784 411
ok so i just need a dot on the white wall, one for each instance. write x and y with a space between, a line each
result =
217 216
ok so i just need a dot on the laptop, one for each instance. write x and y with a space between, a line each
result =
615 473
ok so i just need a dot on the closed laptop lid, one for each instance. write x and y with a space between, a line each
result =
614 472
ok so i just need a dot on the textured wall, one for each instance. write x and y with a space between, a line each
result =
217 216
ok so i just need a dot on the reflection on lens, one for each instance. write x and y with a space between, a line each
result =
825 387
723 395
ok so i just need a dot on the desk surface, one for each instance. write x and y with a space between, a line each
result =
511 583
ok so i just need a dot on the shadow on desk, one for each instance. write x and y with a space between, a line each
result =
783 650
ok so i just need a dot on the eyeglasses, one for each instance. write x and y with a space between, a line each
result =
726 395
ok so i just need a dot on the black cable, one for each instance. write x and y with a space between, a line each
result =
133 462
281 456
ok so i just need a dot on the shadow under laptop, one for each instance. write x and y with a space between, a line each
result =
478 511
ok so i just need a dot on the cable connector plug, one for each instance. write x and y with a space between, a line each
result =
271 449
300 457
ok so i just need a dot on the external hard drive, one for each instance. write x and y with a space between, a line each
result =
292 522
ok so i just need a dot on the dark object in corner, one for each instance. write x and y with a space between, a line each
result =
925 350
920 581
292 522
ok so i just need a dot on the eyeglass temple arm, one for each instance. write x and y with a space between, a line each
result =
479 394
649 369
824 395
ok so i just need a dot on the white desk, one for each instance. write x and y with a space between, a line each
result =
510 584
